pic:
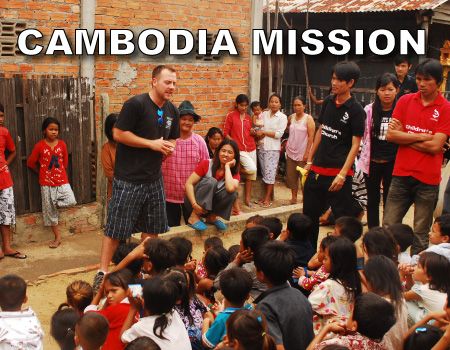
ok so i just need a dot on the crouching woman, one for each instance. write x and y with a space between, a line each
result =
212 188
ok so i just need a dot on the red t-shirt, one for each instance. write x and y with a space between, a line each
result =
116 315
6 143
239 131
203 167
52 163
417 118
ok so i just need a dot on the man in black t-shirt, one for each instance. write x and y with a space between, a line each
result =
145 132
335 147
407 83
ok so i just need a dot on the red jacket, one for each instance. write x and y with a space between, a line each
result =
239 131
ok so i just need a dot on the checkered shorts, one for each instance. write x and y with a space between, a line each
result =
7 210
136 208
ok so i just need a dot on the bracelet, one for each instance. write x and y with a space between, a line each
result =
308 163
340 176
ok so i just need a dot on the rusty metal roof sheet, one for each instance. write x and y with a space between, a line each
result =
340 6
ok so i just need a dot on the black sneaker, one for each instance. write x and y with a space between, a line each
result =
98 279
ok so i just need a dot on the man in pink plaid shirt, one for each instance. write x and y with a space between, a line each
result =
190 149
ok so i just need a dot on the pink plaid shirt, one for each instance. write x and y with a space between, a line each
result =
181 164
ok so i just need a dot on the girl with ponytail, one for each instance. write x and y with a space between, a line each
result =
62 327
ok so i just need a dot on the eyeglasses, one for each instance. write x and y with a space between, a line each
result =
160 117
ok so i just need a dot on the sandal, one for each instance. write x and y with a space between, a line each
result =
199 225
266 205
54 244
220 225
16 255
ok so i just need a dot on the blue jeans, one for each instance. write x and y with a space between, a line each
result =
403 192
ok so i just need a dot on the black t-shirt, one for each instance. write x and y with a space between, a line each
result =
380 148
140 116
408 86
339 125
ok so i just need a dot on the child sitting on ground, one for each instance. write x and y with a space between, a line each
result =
91 331
362 331
79 295
210 242
163 324
62 327
143 343
19 328
274 225
134 266
403 235
183 250
235 284
254 221
298 230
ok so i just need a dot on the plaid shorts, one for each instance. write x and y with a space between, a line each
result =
136 208
7 210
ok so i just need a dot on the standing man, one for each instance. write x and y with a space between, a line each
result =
335 147
407 83
145 132
420 126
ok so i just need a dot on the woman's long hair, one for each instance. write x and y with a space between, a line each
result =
216 161
382 81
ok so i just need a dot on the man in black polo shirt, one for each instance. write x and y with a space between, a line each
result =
407 83
145 133
335 147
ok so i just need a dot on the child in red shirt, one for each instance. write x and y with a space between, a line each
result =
7 211
51 154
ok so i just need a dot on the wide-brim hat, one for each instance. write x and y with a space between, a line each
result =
186 108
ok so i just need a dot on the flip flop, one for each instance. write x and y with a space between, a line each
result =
16 255
220 225
199 226
268 205
54 244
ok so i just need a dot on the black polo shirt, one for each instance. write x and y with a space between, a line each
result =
408 86
140 116
339 125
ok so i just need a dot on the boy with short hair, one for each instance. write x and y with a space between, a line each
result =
299 231
288 312
19 329
274 225
254 221
407 83
363 330
7 209
335 147
420 125
348 226
403 235
235 284
91 331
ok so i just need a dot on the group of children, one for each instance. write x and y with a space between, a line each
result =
272 291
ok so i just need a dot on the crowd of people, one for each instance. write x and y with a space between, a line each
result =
275 289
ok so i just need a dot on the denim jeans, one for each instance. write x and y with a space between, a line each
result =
405 191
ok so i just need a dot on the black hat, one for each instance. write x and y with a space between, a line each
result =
186 108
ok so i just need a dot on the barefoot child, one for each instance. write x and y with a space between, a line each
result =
51 154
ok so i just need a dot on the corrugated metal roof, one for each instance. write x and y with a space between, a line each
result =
339 6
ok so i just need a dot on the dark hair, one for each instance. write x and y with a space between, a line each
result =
93 328
277 96
211 132
255 104
437 268
212 242
300 98
377 110
183 249
62 327
235 285
430 68
254 237
216 161
79 295
122 251
347 70
342 254
403 234
444 224
299 226
255 219
234 250
49 120
2 109
276 260
335 347
242 98
368 305
423 338
161 254
273 224
110 121
249 327
379 241
160 296
399 59
327 240
178 276
13 291
158 69
216 259
119 278
143 343
349 227
382 275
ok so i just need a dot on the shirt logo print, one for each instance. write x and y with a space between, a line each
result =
344 118
435 115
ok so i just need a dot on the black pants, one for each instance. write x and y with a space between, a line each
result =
174 211
379 172
317 198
